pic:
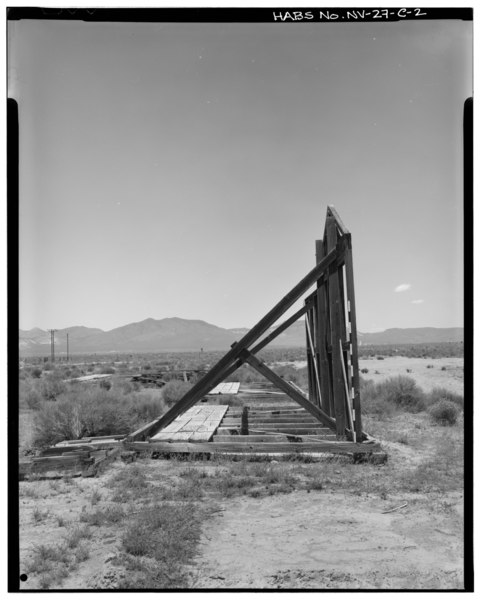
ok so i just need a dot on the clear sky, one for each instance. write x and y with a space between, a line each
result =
185 169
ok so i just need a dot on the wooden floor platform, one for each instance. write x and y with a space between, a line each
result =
198 424
276 426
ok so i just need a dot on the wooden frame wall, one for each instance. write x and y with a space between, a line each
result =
331 343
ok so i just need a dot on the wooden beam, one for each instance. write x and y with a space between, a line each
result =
348 397
331 211
217 373
264 370
335 317
317 386
289 447
351 308
327 403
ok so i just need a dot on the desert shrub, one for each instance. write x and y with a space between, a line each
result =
51 387
29 395
404 393
33 399
372 400
107 370
380 357
105 384
148 405
439 393
385 397
364 370
173 391
36 373
244 374
76 414
444 412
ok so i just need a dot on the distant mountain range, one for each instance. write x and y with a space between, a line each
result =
183 335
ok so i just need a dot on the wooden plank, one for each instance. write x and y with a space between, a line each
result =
201 436
335 317
316 385
354 349
59 450
321 334
267 413
286 430
177 424
241 439
217 373
348 398
288 389
335 215
282 327
289 447
273 420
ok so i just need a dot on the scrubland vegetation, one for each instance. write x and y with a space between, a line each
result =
153 511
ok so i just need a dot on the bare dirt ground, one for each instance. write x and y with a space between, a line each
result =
333 540
451 378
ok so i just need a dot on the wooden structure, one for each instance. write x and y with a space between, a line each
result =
331 340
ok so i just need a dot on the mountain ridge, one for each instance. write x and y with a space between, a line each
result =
184 335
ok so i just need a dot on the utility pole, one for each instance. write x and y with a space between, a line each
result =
52 345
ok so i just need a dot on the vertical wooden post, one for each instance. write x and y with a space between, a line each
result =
321 337
351 307
335 319
310 366
310 321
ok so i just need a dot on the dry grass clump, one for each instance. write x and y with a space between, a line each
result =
94 412
402 394
173 391
439 393
444 412
158 545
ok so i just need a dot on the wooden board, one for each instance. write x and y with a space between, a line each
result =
289 447
198 424
227 387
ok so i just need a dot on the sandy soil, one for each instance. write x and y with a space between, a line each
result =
452 378
331 540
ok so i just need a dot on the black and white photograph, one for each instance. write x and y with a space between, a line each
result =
237 333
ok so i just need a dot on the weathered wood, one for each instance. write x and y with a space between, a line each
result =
289 447
315 384
331 211
353 339
327 403
348 398
282 327
264 370
201 436
247 439
272 424
216 374
298 419
286 430
335 316
59 450
198 423
268 413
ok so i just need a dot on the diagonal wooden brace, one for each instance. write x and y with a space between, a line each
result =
264 370
208 382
